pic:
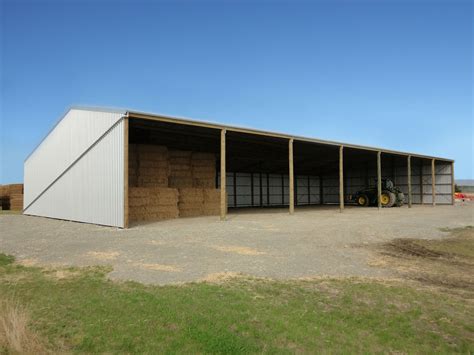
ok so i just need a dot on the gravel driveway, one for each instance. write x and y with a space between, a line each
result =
268 243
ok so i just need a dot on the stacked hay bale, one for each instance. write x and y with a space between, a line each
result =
191 201
198 202
166 183
153 166
11 197
3 198
203 167
211 202
152 203
181 174
133 165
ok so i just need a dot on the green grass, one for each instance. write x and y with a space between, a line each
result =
80 310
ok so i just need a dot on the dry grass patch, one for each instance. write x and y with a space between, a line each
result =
219 277
157 267
104 255
28 262
15 334
62 274
442 263
239 250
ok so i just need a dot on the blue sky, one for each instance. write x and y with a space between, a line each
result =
394 74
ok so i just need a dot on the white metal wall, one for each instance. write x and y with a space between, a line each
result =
71 137
77 172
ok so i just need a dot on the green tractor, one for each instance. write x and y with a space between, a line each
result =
391 195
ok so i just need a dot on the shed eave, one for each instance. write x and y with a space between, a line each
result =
218 126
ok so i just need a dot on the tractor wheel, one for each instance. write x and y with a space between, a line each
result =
362 200
400 199
387 199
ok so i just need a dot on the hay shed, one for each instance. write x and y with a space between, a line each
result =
121 167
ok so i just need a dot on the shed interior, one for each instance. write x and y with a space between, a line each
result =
257 169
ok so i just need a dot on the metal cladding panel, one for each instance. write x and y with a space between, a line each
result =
70 138
92 189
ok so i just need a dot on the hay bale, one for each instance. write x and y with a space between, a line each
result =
16 202
156 172
151 181
151 166
158 191
211 195
198 202
154 150
179 154
180 182
152 203
153 163
204 183
186 161
211 204
5 202
190 212
14 189
196 156
203 170
190 195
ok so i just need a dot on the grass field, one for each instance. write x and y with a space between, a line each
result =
79 310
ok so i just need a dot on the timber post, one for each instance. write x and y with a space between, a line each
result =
341 178
291 177
223 177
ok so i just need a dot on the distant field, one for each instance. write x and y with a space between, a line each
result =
430 309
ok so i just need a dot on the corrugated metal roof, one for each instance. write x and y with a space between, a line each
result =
216 125
187 121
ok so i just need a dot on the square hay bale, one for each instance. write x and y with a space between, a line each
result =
153 149
150 182
180 182
179 154
14 189
211 195
5 203
148 163
16 202
153 203
197 156
212 199
153 192
190 212
193 195
156 172
204 183
180 161
179 168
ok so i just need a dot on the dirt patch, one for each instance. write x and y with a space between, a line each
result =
28 262
445 263
219 277
239 250
157 267
410 247
156 242
103 255
62 274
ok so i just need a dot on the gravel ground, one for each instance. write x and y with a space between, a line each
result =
265 243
